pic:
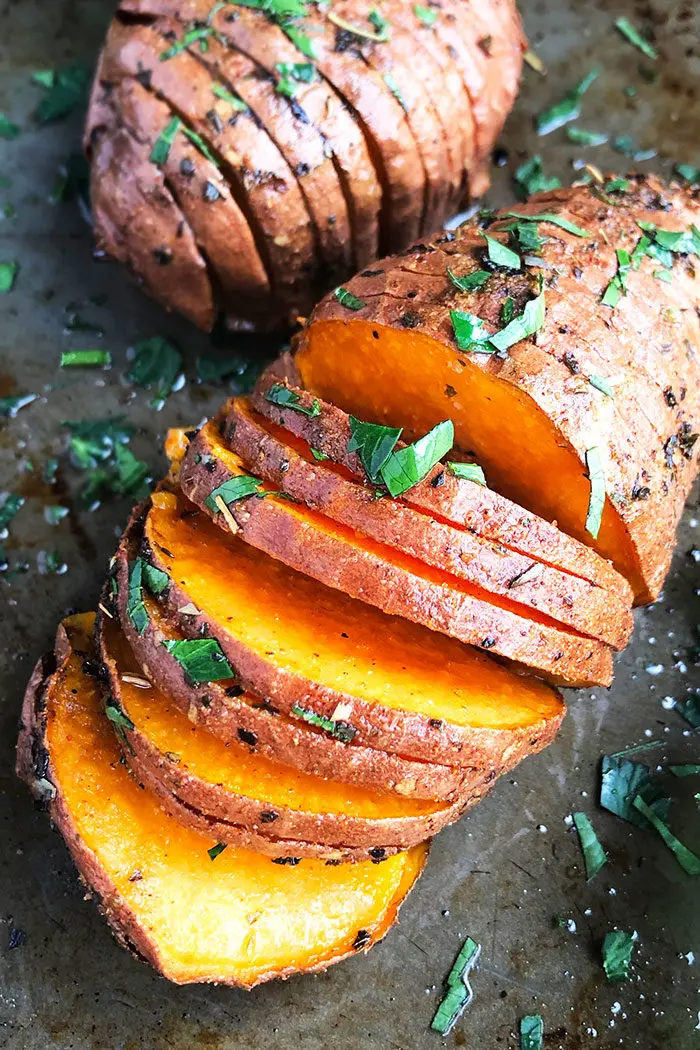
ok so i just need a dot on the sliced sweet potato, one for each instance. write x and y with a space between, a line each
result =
254 801
238 919
441 494
395 582
531 417
402 688
289 465
225 709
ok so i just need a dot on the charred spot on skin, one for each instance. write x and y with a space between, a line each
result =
670 398
435 723
485 44
450 391
163 256
409 319
361 941
377 854
266 705
439 480
95 669
246 737
187 167
488 642
333 863
375 335
268 816
371 273
144 76
640 491
291 862
234 690
571 363
210 192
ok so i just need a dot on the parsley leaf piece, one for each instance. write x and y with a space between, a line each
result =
64 92
379 22
227 96
594 855
567 110
685 857
318 455
156 365
10 406
407 466
618 285
470 333
201 145
301 41
427 15
508 309
468 471
201 659
602 384
374 443
291 74
628 147
624 26
240 487
54 513
555 220
687 770
161 147
458 991
8 130
617 954
338 729
130 473
530 177
379 37
621 782
8 274
347 299
190 37
501 255
156 581
135 609
395 90
117 717
617 186
612 294
8 508
531 1032
690 710
286 398
93 441
522 326
468 282
582 137
596 502
217 850
689 173
86 359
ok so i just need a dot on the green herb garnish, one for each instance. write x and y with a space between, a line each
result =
338 729
468 471
233 100
156 365
201 145
54 513
427 15
86 359
470 333
8 275
291 74
470 281
617 954
162 145
406 466
685 857
286 398
191 37
586 138
156 581
65 90
602 384
135 608
379 37
395 90
596 502
379 22
318 455
500 255
374 443
628 147
10 406
622 781
687 770
117 717
530 177
507 310
216 850
555 220
8 508
240 487
523 326
567 110
690 710
594 855
624 26
8 130
618 285
347 299
531 1032
201 659
458 993
689 173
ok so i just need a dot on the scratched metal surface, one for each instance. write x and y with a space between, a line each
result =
506 872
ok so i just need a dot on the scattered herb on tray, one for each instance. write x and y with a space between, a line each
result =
582 137
156 365
685 857
531 1032
617 954
8 130
624 26
530 178
622 781
568 109
86 359
594 855
8 275
458 994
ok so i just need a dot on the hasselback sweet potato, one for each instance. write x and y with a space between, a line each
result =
240 918
322 747
401 687
609 386
395 582
355 130
442 494
289 465
246 798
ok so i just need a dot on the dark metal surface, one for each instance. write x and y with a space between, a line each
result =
504 874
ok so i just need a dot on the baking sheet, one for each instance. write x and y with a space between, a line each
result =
510 874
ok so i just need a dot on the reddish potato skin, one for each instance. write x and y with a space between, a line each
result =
567 599
460 502
242 716
401 586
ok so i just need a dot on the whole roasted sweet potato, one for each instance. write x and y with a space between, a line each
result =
337 133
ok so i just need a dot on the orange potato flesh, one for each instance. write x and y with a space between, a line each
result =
343 644
240 919
343 362
233 766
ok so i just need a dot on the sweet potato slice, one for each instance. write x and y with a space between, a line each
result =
240 919
393 581
291 640
441 494
289 465
530 418
225 709
255 801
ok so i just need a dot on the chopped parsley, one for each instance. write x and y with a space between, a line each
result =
471 335
624 26
582 137
155 579
622 781
318 455
689 709
602 384
86 359
240 487
687 770
617 954
555 220
201 145
567 110
286 398
8 508
501 255
458 992
427 15
688 860
227 96
135 608
201 659
406 466
594 855
291 74
117 717
192 36
596 501
216 850
339 729
395 90
65 90
8 275
379 22
162 145
156 365
507 310
374 443
628 147
468 471
347 299
10 406
8 130
530 178
531 1032
689 173
470 281
380 36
